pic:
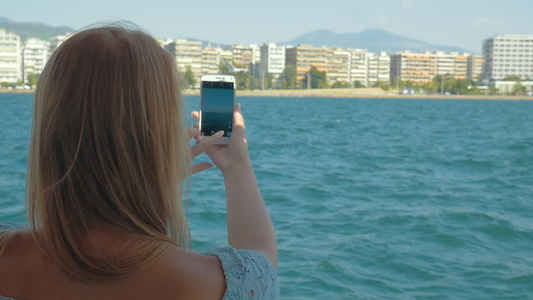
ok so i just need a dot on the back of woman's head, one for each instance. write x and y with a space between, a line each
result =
108 149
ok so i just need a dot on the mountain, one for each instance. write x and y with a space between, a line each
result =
33 29
373 40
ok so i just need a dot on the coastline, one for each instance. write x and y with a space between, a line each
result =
367 93
340 93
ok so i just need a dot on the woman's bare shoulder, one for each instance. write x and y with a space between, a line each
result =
19 263
185 275
178 274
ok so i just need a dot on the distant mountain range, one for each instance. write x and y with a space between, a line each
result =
33 29
373 40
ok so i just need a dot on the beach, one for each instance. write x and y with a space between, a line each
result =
358 93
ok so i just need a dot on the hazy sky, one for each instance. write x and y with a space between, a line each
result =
461 23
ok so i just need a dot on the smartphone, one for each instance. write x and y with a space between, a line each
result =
217 98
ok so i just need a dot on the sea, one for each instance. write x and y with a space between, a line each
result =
370 198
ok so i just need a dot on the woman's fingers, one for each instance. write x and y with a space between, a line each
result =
192 132
195 115
238 121
205 144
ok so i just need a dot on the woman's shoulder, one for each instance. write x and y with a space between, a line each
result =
247 274
185 275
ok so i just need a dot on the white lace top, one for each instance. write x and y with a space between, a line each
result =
249 275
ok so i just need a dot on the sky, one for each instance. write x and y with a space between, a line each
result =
459 23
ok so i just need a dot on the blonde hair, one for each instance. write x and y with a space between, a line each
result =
109 148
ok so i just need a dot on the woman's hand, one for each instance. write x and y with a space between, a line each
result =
226 157
200 148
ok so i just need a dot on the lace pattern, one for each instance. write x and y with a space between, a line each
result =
249 275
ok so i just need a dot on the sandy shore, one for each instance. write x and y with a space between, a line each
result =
359 93
340 93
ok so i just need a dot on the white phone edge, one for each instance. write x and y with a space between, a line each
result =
216 77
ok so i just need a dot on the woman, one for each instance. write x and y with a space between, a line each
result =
109 155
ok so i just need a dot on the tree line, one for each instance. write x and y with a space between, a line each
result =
315 79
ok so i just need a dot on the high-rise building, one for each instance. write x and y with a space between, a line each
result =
369 68
245 56
186 54
35 54
272 60
10 57
423 67
475 67
508 56
415 67
304 57
210 60
338 65
359 66
378 67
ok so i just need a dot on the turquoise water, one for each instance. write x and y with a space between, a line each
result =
371 198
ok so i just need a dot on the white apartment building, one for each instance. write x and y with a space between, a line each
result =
272 60
304 57
475 67
424 66
186 54
56 41
508 55
210 60
244 57
35 54
378 67
10 57
452 63
338 65
369 68
359 66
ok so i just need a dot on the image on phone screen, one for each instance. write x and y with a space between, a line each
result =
217 107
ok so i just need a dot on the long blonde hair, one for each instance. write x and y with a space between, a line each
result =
108 148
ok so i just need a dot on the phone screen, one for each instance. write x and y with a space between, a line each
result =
217 107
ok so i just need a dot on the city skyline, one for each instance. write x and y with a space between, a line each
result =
451 23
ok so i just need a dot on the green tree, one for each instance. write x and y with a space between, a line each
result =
340 85
461 87
223 68
32 79
513 78
444 83
357 84
383 85
428 87
190 79
494 91
318 78
243 80
288 77
268 81
518 89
